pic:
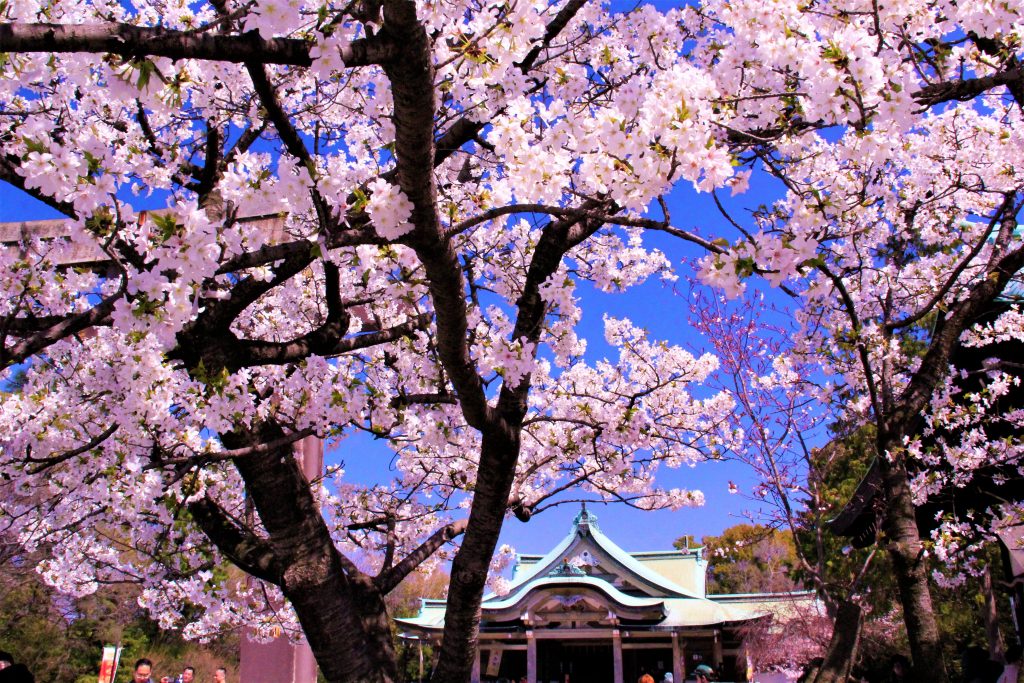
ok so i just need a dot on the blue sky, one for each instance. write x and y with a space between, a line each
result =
653 305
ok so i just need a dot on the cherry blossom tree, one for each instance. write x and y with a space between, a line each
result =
435 179
895 143
445 173
787 406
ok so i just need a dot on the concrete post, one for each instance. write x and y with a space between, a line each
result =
280 661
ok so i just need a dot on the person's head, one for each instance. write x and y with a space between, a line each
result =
18 673
703 673
668 678
143 670
974 660
900 665
188 674
647 678
220 675
6 659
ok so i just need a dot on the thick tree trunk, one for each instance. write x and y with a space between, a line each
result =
904 546
469 569
341 611
845 643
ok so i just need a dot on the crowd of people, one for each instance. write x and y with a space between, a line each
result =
702 674
14 672
143 673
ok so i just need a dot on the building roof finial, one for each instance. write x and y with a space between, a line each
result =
584 519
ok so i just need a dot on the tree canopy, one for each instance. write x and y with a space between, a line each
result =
436 179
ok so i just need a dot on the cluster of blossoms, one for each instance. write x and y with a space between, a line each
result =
416 269
125 424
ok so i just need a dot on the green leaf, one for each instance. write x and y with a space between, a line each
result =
146 70
166 225
361 199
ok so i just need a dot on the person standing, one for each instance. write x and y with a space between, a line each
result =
220 675
16 673
188 675
704 673
143 671
1011 672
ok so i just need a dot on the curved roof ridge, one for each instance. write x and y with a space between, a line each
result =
637 567
584 526
593 581
544 564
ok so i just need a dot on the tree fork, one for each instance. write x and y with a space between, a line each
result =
341 612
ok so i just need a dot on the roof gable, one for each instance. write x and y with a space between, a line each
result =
588 552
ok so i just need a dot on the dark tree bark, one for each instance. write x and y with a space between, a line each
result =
990 613
341 610
904 545
130 41
845 643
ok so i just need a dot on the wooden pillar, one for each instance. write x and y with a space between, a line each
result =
531 657
678 655
474 677
717 651
617 656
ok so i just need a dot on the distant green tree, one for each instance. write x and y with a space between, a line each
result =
404 601
61 639
749 558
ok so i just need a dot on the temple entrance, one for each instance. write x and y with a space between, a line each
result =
502 665
574 662
637 662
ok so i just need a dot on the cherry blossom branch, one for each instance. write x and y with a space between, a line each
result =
365 341
856 325
466 129
968 88
954 274
386 581
130 41
8 173
554 28
327 341
66 327
356 236
234 453
247 551
276 113
42 464
935 364
421 399
583 213
389 549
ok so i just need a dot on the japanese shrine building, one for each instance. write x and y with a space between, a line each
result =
591 612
